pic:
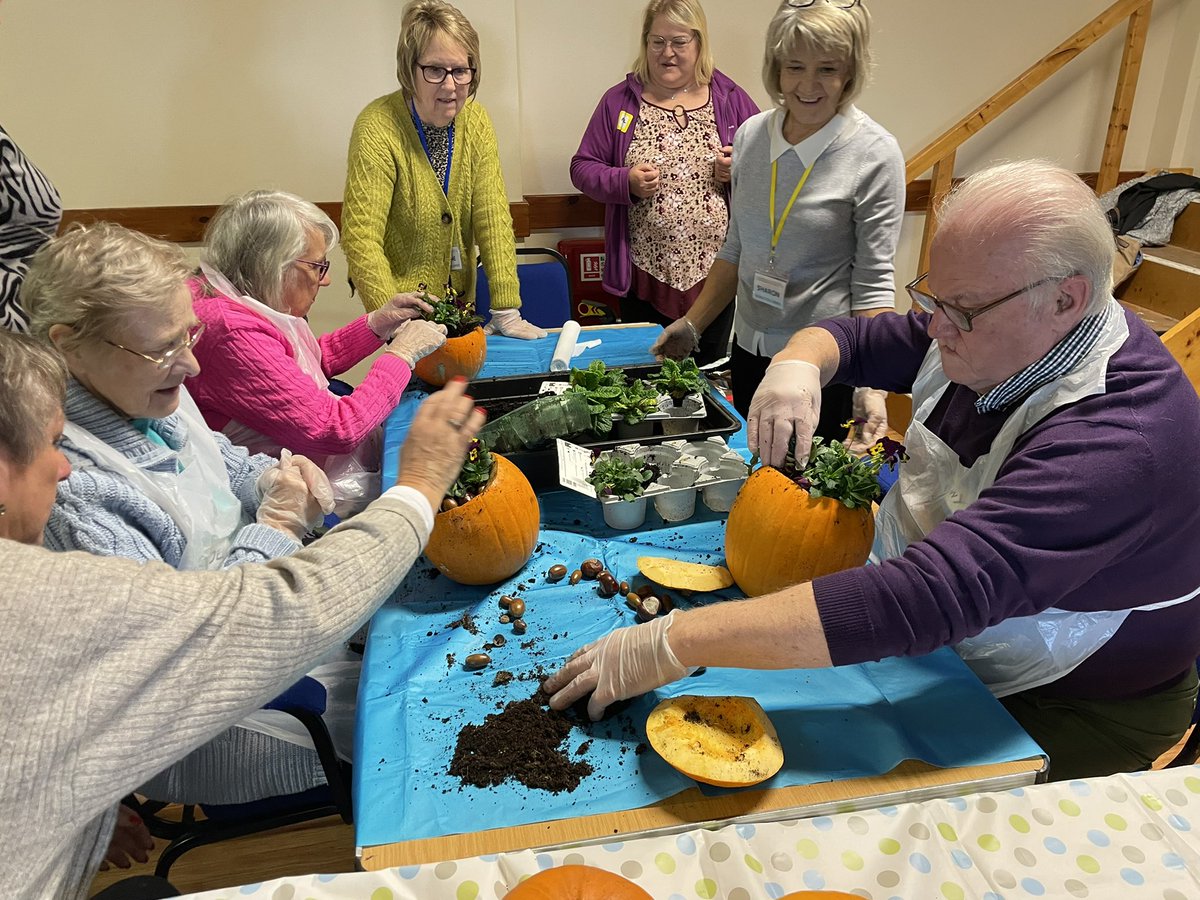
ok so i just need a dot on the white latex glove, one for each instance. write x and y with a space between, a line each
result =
509 323
396 312
295 495
787 402
623 663
415 339
871 422
678 340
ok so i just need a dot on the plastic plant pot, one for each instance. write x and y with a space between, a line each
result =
719 497
623 430
624 515
680 425
675 506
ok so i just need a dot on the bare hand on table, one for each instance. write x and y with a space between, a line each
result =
624 663
787 402
442 429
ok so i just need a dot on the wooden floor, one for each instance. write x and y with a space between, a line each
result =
325 846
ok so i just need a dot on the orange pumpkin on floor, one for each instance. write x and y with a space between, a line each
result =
492 535
820 895
576 883
777 535
458 356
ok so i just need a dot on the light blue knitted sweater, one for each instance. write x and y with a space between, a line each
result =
97 510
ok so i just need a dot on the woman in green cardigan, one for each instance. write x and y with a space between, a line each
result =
423 184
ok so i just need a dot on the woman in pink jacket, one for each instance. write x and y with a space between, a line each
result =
264 376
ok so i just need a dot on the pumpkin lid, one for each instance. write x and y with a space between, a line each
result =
726 741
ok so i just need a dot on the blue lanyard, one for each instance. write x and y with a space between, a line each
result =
425 146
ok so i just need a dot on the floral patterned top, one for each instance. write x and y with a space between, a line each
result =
675 235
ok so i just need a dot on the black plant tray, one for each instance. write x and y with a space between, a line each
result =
505 393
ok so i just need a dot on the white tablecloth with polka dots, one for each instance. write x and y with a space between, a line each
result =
1126 836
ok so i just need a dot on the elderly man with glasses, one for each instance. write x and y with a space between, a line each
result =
1046 522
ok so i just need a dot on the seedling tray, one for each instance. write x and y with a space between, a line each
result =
504 394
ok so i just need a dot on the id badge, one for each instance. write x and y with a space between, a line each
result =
769 290
455 259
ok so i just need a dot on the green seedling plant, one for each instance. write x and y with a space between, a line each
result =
619 476
636 402
679 378
452 310
603 388
474 476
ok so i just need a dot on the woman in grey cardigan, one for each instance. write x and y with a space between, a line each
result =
151 482
107 678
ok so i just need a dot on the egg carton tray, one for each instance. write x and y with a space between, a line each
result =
706 468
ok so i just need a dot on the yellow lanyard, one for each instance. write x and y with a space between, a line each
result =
777 227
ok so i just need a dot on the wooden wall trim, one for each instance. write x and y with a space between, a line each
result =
536 213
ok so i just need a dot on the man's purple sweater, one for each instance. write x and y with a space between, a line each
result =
598 168
1096 508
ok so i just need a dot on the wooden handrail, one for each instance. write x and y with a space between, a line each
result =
950 140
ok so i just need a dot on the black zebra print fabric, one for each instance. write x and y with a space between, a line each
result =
30 211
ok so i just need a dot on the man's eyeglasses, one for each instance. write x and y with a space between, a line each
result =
660 44
164 360
322 266
437 74
961 318
840 4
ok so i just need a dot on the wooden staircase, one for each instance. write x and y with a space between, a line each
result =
1165 289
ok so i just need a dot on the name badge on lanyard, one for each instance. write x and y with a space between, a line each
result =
769 288
425 146
455 259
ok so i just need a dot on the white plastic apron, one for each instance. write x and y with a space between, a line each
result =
198 499
1025 652
354 476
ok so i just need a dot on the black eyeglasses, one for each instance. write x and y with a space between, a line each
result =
322 266
437 74
840 4
961 318
164 360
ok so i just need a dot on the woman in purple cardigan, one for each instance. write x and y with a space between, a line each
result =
657 153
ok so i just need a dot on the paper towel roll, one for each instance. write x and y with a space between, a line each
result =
565 348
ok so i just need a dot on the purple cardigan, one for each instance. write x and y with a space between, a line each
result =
598 168
1096 508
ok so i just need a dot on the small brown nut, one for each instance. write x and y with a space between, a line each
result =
505 619
556 573
645 590
519 626
652 605
499 640
575 576
516 609
505 601
624 587
667 603
633 601
606 584
448 503
590 568
476 661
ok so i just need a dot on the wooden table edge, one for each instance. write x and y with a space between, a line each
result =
911 780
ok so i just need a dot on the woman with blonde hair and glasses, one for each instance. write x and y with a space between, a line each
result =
423 180
657 153
818 199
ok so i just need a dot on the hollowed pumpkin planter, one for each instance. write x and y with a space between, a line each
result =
491 536
777 535
576 883
458 356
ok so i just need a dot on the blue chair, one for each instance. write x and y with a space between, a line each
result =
304 701
545 289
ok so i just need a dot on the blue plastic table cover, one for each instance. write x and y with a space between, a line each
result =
619 346
415 695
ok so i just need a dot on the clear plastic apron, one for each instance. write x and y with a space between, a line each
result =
198 499
1024 652
354 476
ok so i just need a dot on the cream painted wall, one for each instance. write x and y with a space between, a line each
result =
160 102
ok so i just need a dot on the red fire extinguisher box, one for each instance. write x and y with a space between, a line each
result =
585 260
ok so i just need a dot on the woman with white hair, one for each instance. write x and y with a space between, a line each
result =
817 203
149 481
264 376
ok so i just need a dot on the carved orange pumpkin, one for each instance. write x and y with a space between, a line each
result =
458 356
492 535
576 883
777 535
